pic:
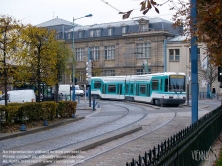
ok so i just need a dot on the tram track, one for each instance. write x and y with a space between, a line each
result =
27 146
125 142
83 162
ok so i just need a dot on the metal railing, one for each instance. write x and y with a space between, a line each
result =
188 147
204 95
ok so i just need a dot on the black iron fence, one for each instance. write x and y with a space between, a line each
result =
190 146
204 95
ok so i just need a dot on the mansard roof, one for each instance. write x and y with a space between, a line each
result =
54 22
121 24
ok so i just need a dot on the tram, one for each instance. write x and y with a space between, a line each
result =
159 89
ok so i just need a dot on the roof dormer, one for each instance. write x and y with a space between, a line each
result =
143 25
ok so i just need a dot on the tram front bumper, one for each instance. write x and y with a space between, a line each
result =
172 101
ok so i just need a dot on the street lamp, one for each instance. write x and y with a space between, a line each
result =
73 60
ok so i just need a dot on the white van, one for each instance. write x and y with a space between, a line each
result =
19 96
65 90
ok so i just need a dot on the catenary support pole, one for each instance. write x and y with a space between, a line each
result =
194 64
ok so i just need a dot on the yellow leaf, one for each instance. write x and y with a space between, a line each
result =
217 11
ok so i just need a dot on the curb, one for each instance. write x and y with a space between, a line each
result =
42 128
84 108
105 140
94 144
203 106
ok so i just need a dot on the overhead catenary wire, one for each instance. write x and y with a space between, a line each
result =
111 6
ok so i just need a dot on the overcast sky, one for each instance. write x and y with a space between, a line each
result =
39 11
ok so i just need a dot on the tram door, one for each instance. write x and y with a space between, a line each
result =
120 92
103 90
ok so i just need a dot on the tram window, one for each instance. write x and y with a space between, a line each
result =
142 89
97 84
112 88
131 89
155 84
166 85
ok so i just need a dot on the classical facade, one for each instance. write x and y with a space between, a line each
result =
117 48
178 59
144 45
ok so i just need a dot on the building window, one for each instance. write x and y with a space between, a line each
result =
94 53
69 35
109 72
139 71
81 76
57 36
98 32
143 50
110 32
91 33
80 34
109 52
174 54
143 70
143 27
95 33
123 30
80 56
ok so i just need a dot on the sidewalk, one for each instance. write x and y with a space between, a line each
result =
82 110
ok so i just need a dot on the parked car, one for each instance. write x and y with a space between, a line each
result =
65 90
19 96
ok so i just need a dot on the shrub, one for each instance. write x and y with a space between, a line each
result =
48 110
11 113
32 110
67 108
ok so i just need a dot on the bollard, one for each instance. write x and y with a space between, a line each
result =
73 115
94 104
23 128
1 123
45 123
78 99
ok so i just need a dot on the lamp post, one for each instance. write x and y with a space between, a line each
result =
73 60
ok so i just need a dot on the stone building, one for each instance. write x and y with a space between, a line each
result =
116 48
178 54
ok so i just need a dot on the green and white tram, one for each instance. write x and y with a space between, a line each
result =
159 89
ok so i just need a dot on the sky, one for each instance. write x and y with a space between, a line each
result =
39 11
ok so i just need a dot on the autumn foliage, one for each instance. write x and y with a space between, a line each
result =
208 28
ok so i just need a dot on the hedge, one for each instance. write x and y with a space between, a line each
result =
19 113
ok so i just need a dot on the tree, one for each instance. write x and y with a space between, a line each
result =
10 49
209 73
63 56
96 71
42 49
146 5
208 26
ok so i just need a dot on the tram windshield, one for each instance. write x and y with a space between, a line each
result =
177 83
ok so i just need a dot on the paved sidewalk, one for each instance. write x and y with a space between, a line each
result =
82 110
